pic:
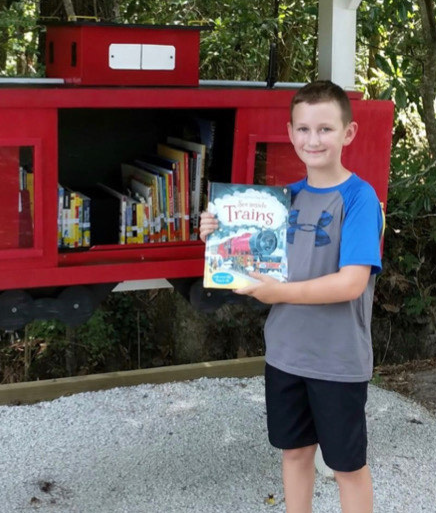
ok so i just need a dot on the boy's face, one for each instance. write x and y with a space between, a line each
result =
318 134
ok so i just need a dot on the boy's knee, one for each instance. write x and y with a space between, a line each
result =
354 476
301 454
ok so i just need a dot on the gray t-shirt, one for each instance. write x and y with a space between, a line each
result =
328 229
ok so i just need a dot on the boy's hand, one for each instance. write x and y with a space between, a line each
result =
266 291
208 224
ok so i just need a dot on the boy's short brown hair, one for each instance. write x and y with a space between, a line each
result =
324 91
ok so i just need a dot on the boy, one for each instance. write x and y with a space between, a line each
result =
318 340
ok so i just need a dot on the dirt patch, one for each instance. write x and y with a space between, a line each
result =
415 380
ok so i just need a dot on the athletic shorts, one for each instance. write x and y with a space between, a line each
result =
305 411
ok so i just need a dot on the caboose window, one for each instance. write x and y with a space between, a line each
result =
16 197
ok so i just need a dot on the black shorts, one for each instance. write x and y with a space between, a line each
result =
305 411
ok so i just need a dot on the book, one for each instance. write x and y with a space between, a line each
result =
168 196
152 180
60 214
251 234
66 219
207 128
182 158
174 179
197 178
85 220
143 194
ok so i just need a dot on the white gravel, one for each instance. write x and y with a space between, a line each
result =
199 446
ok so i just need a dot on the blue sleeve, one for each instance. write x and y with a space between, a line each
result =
361 229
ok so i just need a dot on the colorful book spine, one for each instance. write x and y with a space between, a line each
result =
60 214
86 221
183 159
66 211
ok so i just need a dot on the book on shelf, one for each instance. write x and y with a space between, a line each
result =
85 221
60 214
73 219
167 187
143 194
171 165
66 236
182 158
207 129
158 198
251 234
152 195
198 162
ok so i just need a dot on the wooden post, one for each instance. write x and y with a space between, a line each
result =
337 41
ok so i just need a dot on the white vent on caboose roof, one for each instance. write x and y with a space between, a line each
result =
145 57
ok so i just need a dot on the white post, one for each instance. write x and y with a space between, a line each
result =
337 41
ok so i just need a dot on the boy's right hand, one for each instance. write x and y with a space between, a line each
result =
208 224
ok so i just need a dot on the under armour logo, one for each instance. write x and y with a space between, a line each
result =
321 236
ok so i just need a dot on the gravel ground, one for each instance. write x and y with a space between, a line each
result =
198 446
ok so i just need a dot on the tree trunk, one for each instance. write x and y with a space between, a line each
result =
69 9
427 10
4 38
374 43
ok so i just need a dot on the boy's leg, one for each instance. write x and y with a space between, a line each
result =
299 478
339 414
355 490
291 428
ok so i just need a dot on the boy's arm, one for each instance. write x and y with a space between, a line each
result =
345 285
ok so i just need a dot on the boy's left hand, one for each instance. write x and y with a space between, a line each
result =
265 291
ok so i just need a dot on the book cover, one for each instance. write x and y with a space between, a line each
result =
251 234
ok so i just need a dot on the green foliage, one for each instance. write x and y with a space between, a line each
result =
389 36
19 35
406 290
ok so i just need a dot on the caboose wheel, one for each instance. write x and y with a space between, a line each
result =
76 305
15 309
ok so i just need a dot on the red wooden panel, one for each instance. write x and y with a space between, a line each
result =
369 154
9 196
103 273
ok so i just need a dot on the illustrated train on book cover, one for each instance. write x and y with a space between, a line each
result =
251 234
